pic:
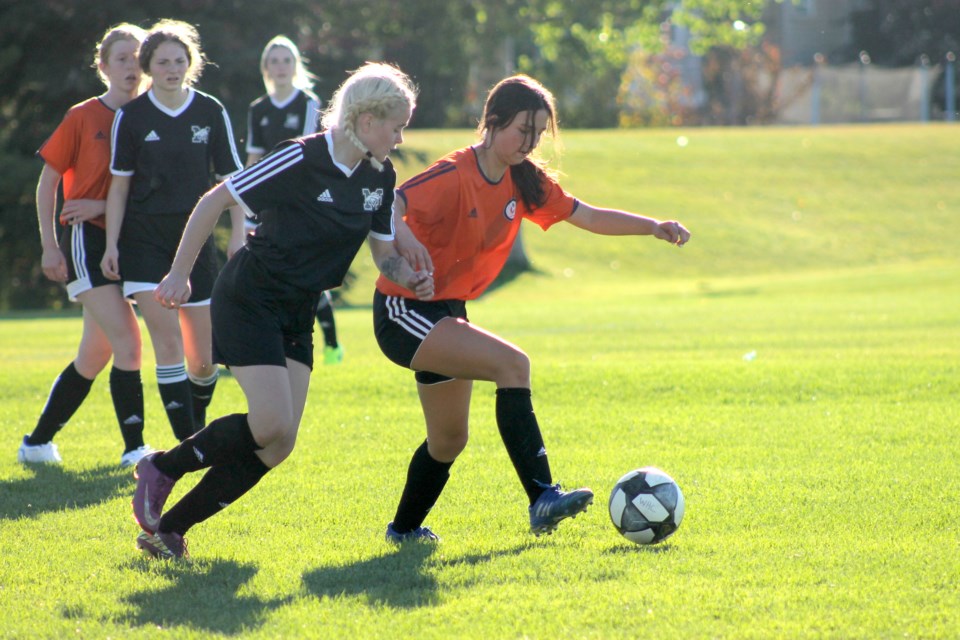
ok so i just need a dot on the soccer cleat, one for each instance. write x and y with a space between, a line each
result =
153 489
46 453
166 546
554 505
132 457
333 355
420 534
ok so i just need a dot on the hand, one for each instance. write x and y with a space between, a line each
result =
110 264
54 264
412 249
673 232
172 291
77 211
421 283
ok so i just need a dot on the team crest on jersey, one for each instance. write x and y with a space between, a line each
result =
292 121
372 199
201 135
510 211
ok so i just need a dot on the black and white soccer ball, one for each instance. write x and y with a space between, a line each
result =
646 506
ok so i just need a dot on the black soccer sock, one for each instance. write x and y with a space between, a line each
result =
325 318
202 391
223 441
426 478
521 435
219 487
69 391
126 389
177 399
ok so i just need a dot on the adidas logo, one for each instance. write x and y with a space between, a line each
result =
173 406
472 214
325 196
152 136
134 419
99 136
542 452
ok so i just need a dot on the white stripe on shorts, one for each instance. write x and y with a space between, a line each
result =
411 321
79 252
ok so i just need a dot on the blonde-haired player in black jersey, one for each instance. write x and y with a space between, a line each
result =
319 197
288 109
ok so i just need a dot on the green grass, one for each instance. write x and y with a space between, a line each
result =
821 478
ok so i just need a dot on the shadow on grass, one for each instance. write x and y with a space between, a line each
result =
53 488
396 580
201 595
401 579
625 549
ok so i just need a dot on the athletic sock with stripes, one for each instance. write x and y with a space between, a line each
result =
223 441
202 391
219 487
521 434
426 478
69 391
177 399
126 389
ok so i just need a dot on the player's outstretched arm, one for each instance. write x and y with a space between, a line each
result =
613 222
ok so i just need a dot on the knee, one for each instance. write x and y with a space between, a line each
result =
126 355
446 446
514 370
272 427
168 347
203 370
90 363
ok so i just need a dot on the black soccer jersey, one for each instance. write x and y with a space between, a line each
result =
270 122
170 154
315 212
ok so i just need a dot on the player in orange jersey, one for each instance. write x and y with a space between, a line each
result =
78 155
464 213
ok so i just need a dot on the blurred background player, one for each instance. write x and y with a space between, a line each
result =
78 155
266 297
288 109
465 211
164 144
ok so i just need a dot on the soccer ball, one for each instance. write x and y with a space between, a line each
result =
646 506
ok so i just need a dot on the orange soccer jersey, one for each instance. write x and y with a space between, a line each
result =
468 224
79 150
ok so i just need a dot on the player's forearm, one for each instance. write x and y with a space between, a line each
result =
116 207
612 222
391 264
47 206
200 225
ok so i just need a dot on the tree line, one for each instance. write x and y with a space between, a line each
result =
454 49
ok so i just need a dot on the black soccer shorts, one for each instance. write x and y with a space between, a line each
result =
401 325
257 320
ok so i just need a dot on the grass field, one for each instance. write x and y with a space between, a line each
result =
821 477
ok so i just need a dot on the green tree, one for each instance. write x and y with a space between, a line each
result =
454 50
